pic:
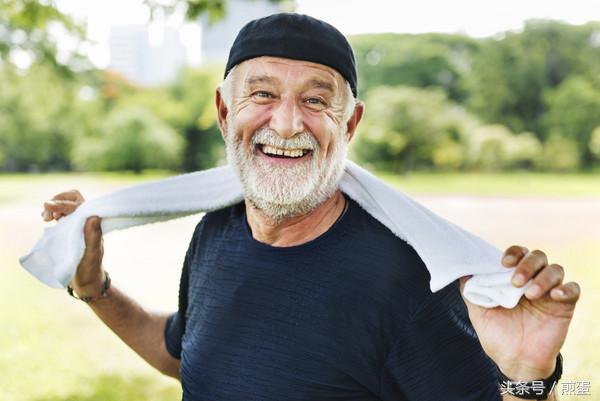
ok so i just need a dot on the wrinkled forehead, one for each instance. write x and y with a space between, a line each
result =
286 72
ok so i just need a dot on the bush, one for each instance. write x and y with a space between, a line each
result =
574 112
559 154
495 147
130 139
594 144
407 128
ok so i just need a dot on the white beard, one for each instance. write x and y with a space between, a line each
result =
281 192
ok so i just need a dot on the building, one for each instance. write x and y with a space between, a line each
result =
217 38
146 55
153 54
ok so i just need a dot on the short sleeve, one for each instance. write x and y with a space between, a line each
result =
175 327
173 335
439 357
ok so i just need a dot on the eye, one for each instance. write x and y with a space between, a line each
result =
316 101
263 94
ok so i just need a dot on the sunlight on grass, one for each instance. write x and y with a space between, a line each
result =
581 352
513 184
32 187
55 349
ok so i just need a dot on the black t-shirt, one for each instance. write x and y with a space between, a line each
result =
346 316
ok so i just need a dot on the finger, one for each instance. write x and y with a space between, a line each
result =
532 263
59 208
513 255
72 195
548 278
568 293
46 215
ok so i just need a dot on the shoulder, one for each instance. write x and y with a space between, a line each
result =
214 225
385 264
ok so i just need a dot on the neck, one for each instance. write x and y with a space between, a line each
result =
295 230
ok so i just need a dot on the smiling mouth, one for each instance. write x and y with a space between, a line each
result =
279 153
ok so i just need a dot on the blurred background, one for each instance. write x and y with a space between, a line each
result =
486 112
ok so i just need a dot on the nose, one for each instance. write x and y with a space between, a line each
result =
286 118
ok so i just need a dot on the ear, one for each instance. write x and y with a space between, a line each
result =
352 124
221 112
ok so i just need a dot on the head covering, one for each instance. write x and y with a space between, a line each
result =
298 37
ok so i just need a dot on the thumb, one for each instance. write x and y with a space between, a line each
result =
92 233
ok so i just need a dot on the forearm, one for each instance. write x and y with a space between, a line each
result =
141 330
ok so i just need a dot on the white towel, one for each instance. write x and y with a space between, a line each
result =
448 251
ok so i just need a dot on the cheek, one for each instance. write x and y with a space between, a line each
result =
325 130
248 120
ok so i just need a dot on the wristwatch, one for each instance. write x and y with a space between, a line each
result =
533 390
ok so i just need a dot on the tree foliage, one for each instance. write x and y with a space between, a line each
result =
527 99
424 61
130 139
407 128
511 76
213 9
25 34
574 113
38 119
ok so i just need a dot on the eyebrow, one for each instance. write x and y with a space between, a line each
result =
318 83
260 79
267 79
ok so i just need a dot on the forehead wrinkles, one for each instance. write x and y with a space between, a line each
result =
289 73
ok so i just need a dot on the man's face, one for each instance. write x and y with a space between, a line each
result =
285 133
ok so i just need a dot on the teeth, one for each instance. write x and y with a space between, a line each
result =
282 152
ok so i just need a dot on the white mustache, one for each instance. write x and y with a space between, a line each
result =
267 136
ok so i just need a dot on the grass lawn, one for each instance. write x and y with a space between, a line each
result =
54 349
505 184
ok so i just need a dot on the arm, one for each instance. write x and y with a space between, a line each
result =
140 329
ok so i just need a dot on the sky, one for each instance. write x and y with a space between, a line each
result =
475 18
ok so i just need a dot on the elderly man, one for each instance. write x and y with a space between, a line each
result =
297 293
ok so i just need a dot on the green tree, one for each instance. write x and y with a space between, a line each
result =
39 118
130 139
574 112
187 106
495 148
595 144
510 75
559 154
407 128
25 32
213 9
424 61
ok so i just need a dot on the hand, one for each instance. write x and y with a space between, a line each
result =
89 278
524 341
